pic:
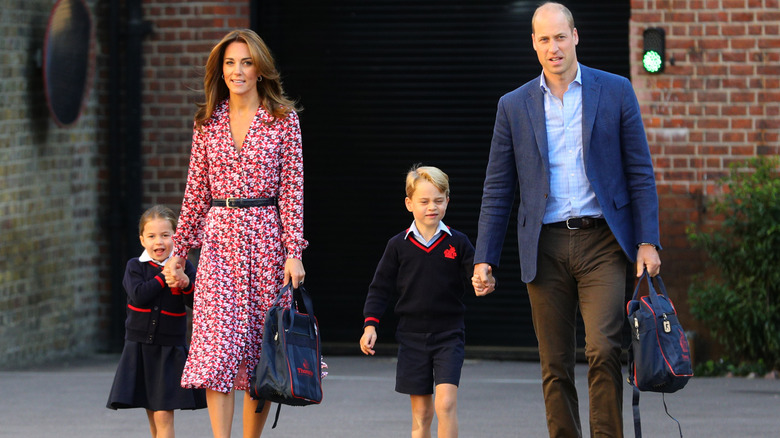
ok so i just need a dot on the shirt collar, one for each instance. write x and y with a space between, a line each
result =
546 89
145 257
439 229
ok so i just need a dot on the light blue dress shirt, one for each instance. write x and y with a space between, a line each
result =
571 194
427 243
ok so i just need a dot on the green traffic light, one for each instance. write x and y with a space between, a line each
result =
652 61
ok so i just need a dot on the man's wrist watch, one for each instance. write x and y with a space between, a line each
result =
647 243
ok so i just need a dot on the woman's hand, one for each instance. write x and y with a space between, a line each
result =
293 270
171 278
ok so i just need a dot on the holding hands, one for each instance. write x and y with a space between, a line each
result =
483 280
174 273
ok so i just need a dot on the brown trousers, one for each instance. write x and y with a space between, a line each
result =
585 269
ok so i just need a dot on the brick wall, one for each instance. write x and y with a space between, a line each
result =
719 103
183 34
50 244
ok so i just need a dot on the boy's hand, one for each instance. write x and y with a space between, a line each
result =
483 280
368 340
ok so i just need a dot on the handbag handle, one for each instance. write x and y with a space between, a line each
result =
301 293
651 290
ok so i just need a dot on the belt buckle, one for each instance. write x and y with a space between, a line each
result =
569 226
229 200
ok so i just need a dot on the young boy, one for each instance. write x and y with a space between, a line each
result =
426 268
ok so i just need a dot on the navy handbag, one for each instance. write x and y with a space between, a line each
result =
659 359
289 370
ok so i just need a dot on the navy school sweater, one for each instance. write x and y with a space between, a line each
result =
155 312
428 282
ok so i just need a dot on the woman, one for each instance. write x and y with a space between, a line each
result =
246 157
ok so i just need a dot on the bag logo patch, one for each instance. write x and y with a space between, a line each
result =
450 253
306 370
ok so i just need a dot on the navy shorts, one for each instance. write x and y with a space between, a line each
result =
428 359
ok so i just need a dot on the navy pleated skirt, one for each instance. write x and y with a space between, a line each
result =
149 376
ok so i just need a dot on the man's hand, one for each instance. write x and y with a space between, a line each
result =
483 280
647 257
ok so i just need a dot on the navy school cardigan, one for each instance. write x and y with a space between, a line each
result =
155 312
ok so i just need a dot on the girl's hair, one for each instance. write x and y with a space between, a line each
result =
433 175
272 96
157 212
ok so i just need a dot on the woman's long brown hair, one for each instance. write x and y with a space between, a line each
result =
272 96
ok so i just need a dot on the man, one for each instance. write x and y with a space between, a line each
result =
572 140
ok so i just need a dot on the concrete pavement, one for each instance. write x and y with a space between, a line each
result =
496 399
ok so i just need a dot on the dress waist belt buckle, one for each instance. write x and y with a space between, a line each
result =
231 202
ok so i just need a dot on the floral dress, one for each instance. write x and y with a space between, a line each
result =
243 250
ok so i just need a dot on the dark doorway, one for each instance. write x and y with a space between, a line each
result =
386 84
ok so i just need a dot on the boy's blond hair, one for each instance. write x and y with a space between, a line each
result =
433 175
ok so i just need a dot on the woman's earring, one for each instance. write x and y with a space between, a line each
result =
259 78
222 76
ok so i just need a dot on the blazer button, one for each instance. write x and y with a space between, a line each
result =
545 196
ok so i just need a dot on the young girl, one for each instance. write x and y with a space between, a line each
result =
155 350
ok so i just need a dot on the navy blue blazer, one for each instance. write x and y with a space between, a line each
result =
617 163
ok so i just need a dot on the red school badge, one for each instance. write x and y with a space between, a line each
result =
450 253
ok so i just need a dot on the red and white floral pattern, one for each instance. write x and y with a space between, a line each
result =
243 250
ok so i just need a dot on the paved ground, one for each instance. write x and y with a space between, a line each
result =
496 399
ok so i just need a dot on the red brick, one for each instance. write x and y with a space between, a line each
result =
734 56
734 137
743 150
742 97
742 16
711 96
713 16
770 15
713 150
768 150
712 136
768 124
736 30
734 110
769 96
768 70
742 43
711 70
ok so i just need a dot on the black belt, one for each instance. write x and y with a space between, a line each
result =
579 223
243 202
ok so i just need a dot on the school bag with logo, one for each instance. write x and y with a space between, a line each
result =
289 371
659 357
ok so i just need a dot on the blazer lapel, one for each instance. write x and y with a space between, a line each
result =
535 107
591 91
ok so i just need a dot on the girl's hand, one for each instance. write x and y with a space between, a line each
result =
293 270
174 273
